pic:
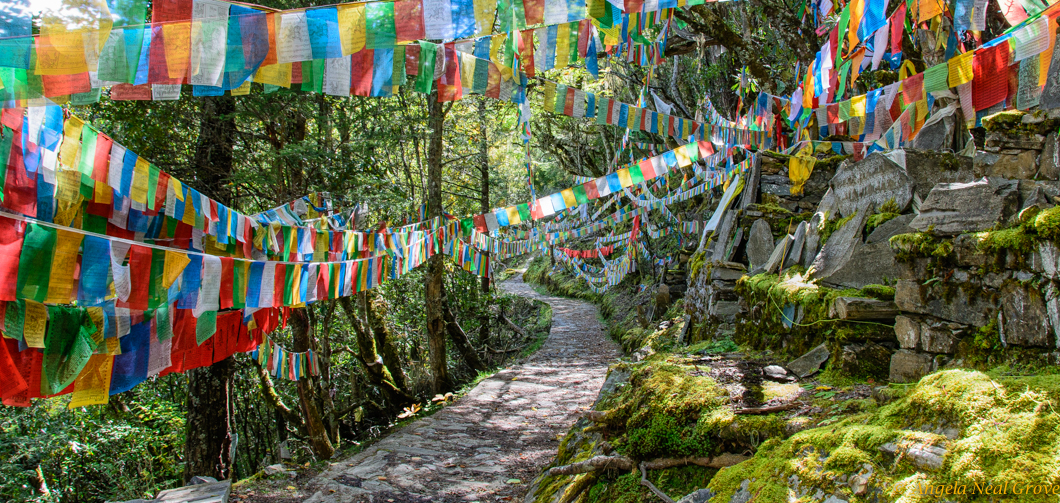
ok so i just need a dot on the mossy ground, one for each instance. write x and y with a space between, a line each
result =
1007 430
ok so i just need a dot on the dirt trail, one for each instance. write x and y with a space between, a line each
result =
508 427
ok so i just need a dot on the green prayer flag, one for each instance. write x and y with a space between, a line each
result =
68 345
843 71
844 20
425 78
14 319
157 294
635 174
205 326
524 211
35 262
88 150
399 66
561 98
288 286
152 187
936 78
379 25
239 289
5 146
579 194
482 76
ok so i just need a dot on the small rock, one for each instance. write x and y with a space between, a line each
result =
923 456
196 480
514 481
743 495
810 362
776 372
700 496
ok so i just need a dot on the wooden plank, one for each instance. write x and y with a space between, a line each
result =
859 308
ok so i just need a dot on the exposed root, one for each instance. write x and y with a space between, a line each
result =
624 463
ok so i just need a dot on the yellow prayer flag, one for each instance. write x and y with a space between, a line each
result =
71 147
485 11
623 177
562 45
277 75
857 106
141 173
351 27
113 346
92 386
550 96
68 185
927 10
61 52
102 194
61 287
243 89
513 216
633 119
35 321
98 318
189 214
296 286
177 188
467 69
568 198
682 157
496 44
178 48
857 10
174 266
799 169
961 69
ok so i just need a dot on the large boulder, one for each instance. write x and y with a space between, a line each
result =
1012 164
869 264
760 243
810 362
840 246
938 134
953 208
890 228
870 183
927 333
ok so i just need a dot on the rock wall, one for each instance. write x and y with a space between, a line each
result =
966 246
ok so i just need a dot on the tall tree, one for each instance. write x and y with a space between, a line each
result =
207 448
433 294
484 206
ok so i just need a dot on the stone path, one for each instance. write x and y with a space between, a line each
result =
508 427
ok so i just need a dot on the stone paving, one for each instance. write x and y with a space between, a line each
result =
488 445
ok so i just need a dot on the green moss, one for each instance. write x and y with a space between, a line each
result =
915 245
880 292
1008 432
713 347
1009 120
834 225
1047 223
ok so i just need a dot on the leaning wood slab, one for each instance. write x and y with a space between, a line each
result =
860 308
214 492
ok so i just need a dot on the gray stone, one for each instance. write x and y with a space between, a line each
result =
867 358
759 243
743 495
810 362
798 241
834 499
839 247
1049 161
700 496
1036 199
277 469
953 208
1022 164
779 252
890 228
727 271
869 183
1024 321
910 366
208 492
813 240
938 135
929 168
926 333
196 480
869 264
978 309
923 456
1050 259
828 204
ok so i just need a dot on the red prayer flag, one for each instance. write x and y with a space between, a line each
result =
101 162
11 232
897 28
990 71
12 118
535 11
227 278
408 21
568 103
361 68
591 191
647 169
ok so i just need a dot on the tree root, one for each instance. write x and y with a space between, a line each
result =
767 410
647 483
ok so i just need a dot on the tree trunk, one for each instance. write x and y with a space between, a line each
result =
208 424
374 365
314 421
208 420
467 351
384 342
441 382
484 206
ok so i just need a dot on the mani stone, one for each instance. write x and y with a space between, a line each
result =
871 182
937 135
953 208
840 246
759 243
813 239
810 362
869 264
783 246
797 243
928 168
